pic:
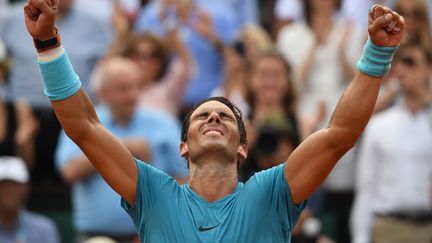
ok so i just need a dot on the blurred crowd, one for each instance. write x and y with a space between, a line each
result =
284 63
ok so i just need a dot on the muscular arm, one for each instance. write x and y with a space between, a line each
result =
312 161
108 155
76 113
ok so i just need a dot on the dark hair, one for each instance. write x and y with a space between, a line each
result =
290 98
427 52
307 9
421 11
237 113
161 49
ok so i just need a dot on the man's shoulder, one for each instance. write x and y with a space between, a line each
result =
268 174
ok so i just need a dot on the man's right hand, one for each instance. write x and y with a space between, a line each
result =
40 16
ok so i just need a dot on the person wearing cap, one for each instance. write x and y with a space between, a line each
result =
16 223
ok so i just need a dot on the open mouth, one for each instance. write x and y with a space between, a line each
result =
212 132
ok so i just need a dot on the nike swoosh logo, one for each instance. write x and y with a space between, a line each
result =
202 229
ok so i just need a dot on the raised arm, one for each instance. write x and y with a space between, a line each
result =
312 161
72 106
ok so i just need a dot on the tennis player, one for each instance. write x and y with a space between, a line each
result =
213 206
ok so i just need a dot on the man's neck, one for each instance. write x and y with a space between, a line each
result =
9 220
415 102
213 180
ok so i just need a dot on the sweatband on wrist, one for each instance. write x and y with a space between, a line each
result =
59 78
51 54
376 60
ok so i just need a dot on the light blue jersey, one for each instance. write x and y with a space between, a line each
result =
261 210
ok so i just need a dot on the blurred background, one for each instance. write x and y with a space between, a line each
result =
284 63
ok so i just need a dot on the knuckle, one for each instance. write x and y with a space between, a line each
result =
50 13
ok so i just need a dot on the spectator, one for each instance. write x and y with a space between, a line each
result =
165 71
166 65
353 10
394 198
255 41
416 16
323 62
245 12
17 124
270 93
86 40
17 224
252 41
417 31
104 9
202 29
149 135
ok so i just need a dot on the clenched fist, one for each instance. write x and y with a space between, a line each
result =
385 26
40 16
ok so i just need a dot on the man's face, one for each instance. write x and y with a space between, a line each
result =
12 195
213 129
413 71
121 92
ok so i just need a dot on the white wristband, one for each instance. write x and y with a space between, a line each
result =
52 54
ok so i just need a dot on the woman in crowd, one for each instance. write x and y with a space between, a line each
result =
237 58
323 51
166 64
416 16
271 97
165 71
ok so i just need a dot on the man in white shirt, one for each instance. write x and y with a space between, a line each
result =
394 194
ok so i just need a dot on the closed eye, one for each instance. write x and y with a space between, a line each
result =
224 115
203 115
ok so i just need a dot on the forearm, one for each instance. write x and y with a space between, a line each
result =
304 170
354 110
358 102
71 105
76 115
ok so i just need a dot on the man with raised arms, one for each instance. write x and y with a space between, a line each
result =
213 206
